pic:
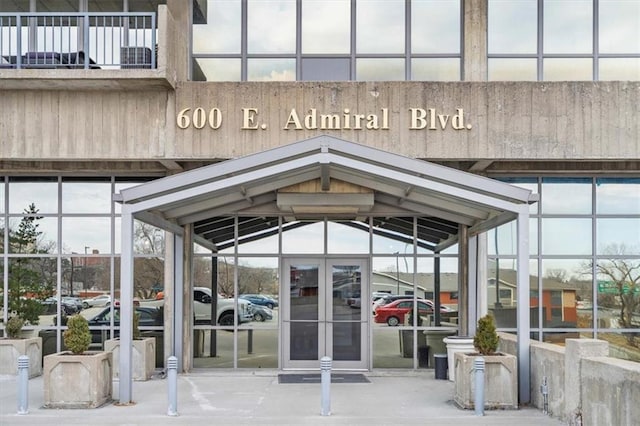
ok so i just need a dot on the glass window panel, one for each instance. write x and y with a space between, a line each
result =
567 69
564 283
262 241
619 26
506 242
264 348
86 273
619 68
346 239
326 69
219 355
263 69
346 289
391 242
225 278
265 37
2 193
566 236
147 239
566 196
513 69
393 275
86 197
86 235
220 69
326 26
259 276
31 280
502 291
387 349
347 341
222 32
435 69
619 236
380 26
2 246
148 276
618 287
44 194
513 26
45 242
568 26
622 345
305 239
435 26
526 183
385 69
614 196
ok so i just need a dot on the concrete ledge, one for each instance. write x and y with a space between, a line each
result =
11 349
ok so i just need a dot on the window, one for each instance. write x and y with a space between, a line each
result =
329 40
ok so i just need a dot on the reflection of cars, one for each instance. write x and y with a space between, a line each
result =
354 300
75 301
262 313
67 308
393 313
260 299
101 300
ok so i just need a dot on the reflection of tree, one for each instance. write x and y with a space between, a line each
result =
622 276
250 279
30 279
148 273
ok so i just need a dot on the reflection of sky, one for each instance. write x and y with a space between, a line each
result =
271 26
435 26
221 34
619 26
512 26
568 26
43 194
326 26
570 236
380 26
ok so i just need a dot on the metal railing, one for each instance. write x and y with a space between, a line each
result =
78 40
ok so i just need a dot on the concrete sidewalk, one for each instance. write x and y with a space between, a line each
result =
256 398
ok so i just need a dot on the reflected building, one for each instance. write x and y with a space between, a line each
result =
318 152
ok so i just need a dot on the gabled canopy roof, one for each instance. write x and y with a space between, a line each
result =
389 187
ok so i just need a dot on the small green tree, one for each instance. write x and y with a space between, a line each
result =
77 337
486 338
14 327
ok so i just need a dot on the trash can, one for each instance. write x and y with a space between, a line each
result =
441 366
423 357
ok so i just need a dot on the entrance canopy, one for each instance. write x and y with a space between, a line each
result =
317 178
296 181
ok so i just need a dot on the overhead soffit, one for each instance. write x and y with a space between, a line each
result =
390 188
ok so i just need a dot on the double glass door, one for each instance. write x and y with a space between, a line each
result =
326 312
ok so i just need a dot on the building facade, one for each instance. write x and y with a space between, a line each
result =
482 155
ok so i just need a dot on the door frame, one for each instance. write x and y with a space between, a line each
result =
325 313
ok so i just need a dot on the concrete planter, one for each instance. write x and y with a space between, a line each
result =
144 357
457 344
78 381
11 349
500 381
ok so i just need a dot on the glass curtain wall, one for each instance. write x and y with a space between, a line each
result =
564 40
584 262
289 40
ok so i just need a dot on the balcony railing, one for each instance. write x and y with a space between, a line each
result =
78 40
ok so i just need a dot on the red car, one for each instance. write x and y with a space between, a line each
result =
393 313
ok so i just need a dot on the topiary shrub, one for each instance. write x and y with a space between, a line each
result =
14 327
77 337
486 338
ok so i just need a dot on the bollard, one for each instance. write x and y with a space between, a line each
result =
478 365
172 382
23 384
325 379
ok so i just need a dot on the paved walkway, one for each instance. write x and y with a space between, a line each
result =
256 398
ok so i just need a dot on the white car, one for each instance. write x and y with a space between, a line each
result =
101 300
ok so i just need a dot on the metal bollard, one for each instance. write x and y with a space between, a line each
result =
478 365
172 382
23 384
325 379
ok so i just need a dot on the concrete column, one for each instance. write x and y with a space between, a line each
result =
482 275
463 280
187 299
575 351
475 40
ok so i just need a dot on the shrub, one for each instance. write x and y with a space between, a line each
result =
486 338
77 337
14 327
136 326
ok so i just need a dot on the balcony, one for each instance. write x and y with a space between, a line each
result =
85 50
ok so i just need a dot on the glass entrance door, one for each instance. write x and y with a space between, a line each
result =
325 312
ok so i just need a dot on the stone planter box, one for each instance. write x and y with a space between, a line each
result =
500 381
11 349
78 381
144 357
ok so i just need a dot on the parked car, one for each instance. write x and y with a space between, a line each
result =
75 301
354 301
67 307
260 299
394 313
100 300
262 313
